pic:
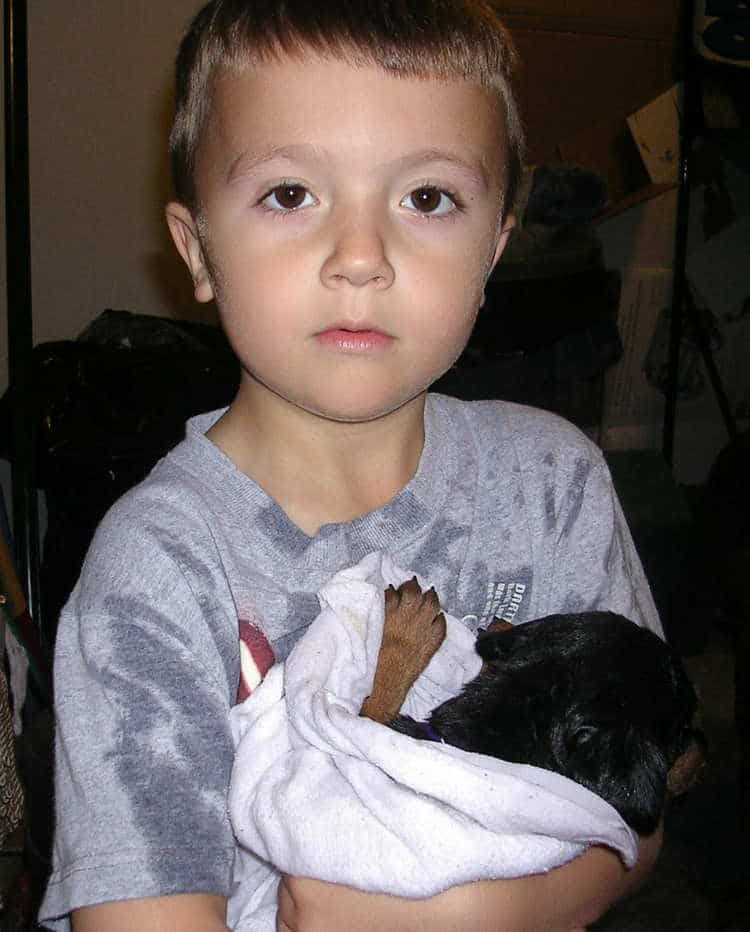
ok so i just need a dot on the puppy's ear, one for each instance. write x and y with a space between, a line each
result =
497 624
616 761
686 770
493 644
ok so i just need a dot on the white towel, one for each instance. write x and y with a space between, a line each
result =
318 791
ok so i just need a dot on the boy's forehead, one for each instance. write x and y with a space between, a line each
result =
314 101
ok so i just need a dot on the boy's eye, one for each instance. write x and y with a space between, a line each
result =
287 197
429 200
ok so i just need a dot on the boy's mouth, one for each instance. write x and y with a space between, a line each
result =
354 339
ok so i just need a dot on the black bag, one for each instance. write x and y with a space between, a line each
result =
107 407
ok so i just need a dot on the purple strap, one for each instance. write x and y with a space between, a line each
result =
429 733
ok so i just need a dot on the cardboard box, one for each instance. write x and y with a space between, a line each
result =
583 65
656 131
649 19
608 148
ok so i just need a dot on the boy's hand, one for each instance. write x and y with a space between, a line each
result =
563 900
413 630
188 912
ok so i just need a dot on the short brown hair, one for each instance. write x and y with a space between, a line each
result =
452 39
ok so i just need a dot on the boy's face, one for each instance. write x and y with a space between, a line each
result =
348 222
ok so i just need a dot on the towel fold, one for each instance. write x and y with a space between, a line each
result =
318 791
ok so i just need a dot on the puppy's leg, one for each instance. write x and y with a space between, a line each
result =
686 770
414 629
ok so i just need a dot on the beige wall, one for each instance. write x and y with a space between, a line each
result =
100 97
100 89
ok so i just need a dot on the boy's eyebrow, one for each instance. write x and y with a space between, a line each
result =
247 162
474 170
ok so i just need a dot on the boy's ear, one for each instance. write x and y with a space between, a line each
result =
502 241
509 223
184 229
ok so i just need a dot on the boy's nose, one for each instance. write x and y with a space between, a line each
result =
358 258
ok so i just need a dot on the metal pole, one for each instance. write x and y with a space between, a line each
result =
679 283
20 325
683 305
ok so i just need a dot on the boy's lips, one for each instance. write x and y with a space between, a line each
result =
353 339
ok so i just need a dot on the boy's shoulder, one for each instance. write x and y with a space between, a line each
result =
176 501
506 428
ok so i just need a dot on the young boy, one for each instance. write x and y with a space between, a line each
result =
345 173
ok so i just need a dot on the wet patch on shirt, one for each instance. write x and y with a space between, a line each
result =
550 510
573 603
303 609
172 751
550 517
575 494
441 557
442 554
280 617
283 533
377 530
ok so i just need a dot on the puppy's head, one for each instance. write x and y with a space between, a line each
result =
592 696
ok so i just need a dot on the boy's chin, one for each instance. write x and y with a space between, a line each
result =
352 410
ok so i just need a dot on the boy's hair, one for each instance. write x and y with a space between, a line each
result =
444 39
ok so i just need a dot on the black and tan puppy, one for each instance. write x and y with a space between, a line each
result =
591 696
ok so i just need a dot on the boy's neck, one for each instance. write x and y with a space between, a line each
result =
321 471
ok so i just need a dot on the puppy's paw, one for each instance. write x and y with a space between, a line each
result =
414 625
413 629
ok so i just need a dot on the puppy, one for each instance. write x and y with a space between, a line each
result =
591 696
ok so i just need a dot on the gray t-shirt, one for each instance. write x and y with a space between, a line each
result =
511 514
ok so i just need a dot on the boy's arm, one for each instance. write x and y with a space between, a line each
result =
143 743
198 912
593 562
564 899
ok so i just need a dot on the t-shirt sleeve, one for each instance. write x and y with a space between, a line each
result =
595 563
144 751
